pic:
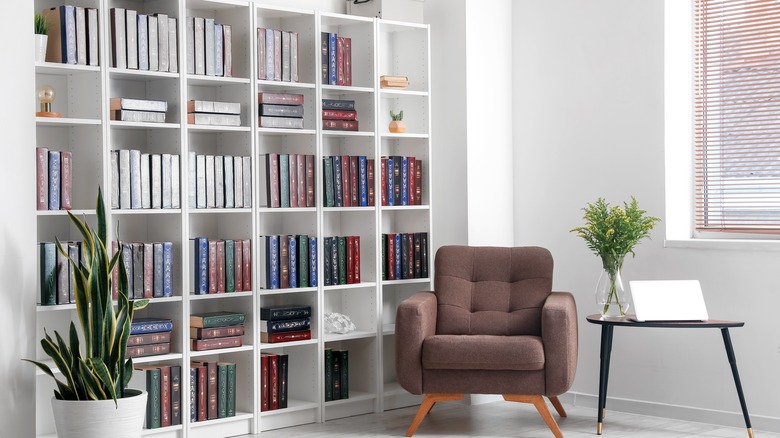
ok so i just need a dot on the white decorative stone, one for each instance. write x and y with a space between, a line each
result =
338 323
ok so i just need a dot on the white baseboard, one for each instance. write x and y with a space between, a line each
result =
686 413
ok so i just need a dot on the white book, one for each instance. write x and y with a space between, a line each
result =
124 178
218 52
173 51
93 37
192 194
286 56
154 58
162 39
190 40
227 50
135 178
166 180
247 182
143 42
210 183
118 44
263 179
219 180
209 46
201 181
269 54
294 56
81 36
131 27
114 179
229 184
156 173
175 191
146 197
238 181
200 46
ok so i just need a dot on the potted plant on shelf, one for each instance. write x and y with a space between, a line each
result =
40 37
397 125
91 398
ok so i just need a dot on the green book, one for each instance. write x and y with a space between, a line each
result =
344 373
153 403
303 260
384 256
328 172
284 180
328 374
335 372
222 385
342 259
231 390
216 319
230 266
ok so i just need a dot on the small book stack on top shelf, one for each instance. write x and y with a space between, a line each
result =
216 330
280 110
138 110
339 115
387 81
285 323
206 112
149 337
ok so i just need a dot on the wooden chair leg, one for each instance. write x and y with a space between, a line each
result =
558 406
426 406
541 406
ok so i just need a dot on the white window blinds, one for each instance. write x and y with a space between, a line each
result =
737 115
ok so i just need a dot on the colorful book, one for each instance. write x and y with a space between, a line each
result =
286 325
284 312
216 319
150 325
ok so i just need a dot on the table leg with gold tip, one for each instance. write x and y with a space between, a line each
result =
606 352
733 362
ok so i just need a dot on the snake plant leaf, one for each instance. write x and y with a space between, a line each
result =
101 371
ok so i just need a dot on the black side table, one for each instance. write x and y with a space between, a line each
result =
609 324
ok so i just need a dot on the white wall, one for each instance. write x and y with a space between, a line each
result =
589 122
17 226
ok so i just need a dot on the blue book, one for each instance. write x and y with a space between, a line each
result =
390 182
273 262
404 181
284 180
193 394
269 54
200 265
303 260
48 261
327 266
332 56
327 163
127 258
312 261
68 32
150 325
338 190
167 269
143 42
292 265
397 267
334 261
54 180
157 284
363 180
218 56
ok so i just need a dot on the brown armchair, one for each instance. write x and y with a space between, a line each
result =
492 326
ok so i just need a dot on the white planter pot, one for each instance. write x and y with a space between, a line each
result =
101 419
40 47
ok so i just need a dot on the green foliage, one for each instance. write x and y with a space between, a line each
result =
40 24
100 371
611 232
397 117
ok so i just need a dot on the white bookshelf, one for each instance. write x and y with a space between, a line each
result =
379 47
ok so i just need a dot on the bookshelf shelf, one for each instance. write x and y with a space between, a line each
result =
404 135
64 69
65 121
292 406
139 75
345 90
157 358
220 210
348 209
214 80
118 124
146 211
65 212
404 207
287 210
407 281
284 86
367 284
55 308
238 417
390 93
388 329
220 296
161 430
285 131
336 337
272 346
209 128
220 351
293 290
348 133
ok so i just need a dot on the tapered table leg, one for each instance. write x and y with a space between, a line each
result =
733 362
606 352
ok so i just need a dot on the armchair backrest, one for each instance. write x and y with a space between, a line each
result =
491 290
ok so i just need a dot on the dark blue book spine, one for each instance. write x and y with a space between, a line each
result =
48 261
284 180
157 288
127 257
193 394
273 258
338 189
201 265
68 26
313 261
303 260
397 267
292 245
363 174
404 181
390 182
150 326
332 55
327 265
167 269
334 261
54 179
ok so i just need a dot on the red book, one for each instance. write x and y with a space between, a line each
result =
273 180
390 256
350 259
220 266
370 166
42 178
293 171
202 391
148 270
273 382
280 98
148 338
340 61
356 259
353 176
212 266
212 391
347 61
148 350
238 252
264 382
165 395
409 255
340 125
383 182
284 262
216 343
66 179
300 160
411 182
345 181
215 332
247 265
418 181
272 338
328 114
310 181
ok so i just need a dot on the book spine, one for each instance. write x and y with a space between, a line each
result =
410 255
114 158
200 45
167 193
167 280
146 196
230 267
138 270
247 264
155 175
93 37
348 61
175 184
264 394
273 338
327 267
150 327
327 164
284 180
332 59
391 164
324 57
391 256
203 397
165 396
219 46
212 391
370 175
227 50
218 320
73 254
173 51
238 183
404 259
175 395
342 259
283 374
153 33
424 255
346 181
328 114
338 104
268 109
288 325
411 183
260 53
283 313
350 259
293 163
340 60
221 390
328 374
231 389
356 260
336 375
216 332
286 74
269 54
354 181
313 280
118 45
340 125
310 194
190 40
127 257
404 181
193 394
135 179
284 262
48 269
344 375
42 178
209 59
273 382
362 181
293 260
277 55
294 56
131 37
303 261
154 402
280 122
68 26
54 180
418 181
221 266
384 256
383 179
148 273
238 256
66 180
247 180
280 98
334 261
397 261
148 338
417 255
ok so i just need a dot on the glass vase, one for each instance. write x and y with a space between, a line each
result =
612 298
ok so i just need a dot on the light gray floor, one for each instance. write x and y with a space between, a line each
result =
505 419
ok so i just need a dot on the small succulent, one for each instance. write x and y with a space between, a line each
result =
397 117
40 24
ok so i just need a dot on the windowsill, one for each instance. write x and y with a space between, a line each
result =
724 244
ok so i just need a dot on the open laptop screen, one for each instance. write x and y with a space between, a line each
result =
668 300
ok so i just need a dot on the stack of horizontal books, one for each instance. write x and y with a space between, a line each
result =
216 330
138 110
285 323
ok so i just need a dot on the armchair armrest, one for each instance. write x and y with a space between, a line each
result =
415 320
559 336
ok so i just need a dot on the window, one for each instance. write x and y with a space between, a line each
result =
736 116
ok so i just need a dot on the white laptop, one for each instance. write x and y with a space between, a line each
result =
668 300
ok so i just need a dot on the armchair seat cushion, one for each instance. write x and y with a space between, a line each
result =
483 352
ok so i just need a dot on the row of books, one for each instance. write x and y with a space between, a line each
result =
348 181
206 112
280 110
285 323
73 35
342 260
288 261
149 337
277 55
143 41
401 180
163 387
404 256
54 179
137 110
339 114
142 180
216 330
209 47
286 180
212 390
220 265
56 272
220 181
274 373
149 267
336 59
336 374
